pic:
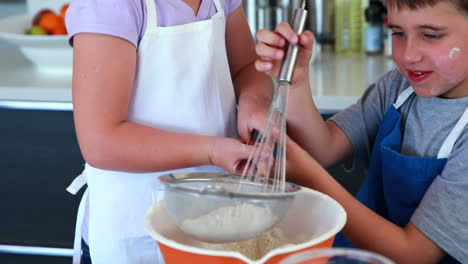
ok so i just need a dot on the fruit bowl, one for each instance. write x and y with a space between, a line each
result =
49 53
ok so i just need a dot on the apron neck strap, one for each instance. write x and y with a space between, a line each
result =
403 97
219 7
449 142
151 14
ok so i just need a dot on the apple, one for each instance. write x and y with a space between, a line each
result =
36 30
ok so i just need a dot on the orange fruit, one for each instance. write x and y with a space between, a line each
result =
38 16
60 30
50 22
63 10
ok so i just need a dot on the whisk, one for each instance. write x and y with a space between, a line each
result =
269 157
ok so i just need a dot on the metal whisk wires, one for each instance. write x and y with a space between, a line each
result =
269 157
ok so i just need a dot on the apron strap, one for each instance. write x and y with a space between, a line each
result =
151 15
74 187
79 221
219 7
449 142
403 97
77 184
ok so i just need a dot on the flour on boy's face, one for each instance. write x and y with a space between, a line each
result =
430 48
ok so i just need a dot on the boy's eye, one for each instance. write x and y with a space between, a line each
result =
431 36
398 34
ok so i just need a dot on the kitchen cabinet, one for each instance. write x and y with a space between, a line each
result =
39 158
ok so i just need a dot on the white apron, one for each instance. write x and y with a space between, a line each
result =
183 84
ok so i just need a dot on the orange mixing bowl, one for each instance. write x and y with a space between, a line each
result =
313 215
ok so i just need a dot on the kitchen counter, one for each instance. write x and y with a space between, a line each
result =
23 86
336 81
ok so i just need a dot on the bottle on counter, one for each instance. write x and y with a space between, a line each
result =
349 20
375 31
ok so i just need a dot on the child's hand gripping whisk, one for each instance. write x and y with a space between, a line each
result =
267 164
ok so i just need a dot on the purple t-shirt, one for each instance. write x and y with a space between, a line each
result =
127 18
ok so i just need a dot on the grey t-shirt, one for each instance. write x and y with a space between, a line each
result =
442 215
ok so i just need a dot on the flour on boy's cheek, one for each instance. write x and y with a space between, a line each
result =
452 67
454 53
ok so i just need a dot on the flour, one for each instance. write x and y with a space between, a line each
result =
231 222
257 247
453 53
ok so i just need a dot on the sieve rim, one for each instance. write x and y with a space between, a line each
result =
177 183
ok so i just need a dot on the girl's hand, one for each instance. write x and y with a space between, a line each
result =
272 48
229 153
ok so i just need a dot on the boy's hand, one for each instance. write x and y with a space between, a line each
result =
252 115
297 160
271 49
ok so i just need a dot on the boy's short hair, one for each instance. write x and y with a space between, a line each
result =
462 5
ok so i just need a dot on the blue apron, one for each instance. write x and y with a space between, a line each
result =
395 183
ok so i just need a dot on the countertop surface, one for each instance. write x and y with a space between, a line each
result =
336 81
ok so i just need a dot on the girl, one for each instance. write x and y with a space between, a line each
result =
155 87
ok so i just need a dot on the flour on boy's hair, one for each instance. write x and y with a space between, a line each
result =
453 52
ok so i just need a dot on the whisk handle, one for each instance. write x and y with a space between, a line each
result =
289 63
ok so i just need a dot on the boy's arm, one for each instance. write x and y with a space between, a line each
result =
325 141
254 90
364 228
103 81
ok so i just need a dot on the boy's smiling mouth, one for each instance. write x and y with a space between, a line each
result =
417 76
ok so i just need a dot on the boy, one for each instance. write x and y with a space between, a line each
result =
409 129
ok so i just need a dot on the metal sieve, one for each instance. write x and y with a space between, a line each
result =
211 208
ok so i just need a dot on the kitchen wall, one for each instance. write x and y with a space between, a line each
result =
9 8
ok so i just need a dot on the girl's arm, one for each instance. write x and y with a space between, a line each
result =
325 141
103 80
364 228
253 89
